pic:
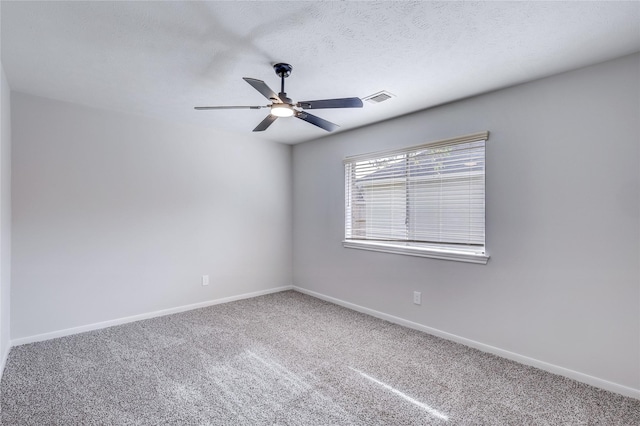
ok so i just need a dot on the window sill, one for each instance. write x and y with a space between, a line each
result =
444 254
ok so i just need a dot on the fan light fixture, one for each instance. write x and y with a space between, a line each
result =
281 110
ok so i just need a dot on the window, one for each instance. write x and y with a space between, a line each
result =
425 200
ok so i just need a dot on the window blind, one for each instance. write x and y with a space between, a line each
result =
431 195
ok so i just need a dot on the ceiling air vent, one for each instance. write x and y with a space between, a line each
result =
376 98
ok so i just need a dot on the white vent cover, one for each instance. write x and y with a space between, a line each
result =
376 98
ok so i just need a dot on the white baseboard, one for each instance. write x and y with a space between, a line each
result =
118 321
3 358
555 369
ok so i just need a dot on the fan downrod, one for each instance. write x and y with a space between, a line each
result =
283 71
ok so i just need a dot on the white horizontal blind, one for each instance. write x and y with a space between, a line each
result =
429 195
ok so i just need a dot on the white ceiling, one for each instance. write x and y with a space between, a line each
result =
161 59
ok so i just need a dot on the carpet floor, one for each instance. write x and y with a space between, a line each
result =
286 359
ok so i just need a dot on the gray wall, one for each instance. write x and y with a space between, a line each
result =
562 285
5 219
116 215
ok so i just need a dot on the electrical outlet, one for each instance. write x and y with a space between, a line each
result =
205 280
417 298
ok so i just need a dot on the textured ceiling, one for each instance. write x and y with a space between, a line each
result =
162 58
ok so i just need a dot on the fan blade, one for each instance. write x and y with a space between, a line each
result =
229 107
320 122
264 124
262 87
332 103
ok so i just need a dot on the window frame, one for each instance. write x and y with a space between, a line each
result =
444 251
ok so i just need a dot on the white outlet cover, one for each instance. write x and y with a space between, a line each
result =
205 280
417 297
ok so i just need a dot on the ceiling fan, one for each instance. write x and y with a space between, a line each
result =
282 106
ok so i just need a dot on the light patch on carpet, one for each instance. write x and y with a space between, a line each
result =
430 410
